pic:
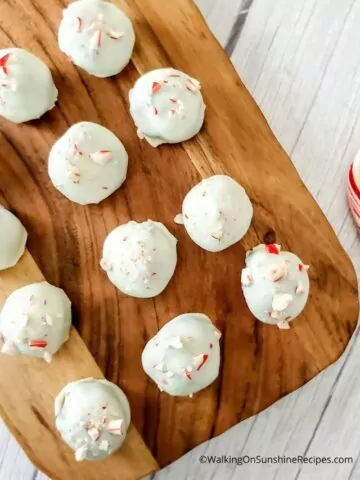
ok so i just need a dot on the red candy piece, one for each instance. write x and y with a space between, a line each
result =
38 343
204 359
3 62
155 87
272 248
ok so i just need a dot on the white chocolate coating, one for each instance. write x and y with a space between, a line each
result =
275 284
35 321
167 106
92 417
216 213
27 89
184 357
97 36
13 238
88 163
140 258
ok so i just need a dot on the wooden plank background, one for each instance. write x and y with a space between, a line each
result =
301 61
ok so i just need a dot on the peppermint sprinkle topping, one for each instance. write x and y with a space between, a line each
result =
246 277
217 334
187 372
299 288
93 433
179 219
273 248
98 28
3 63
281 301
80 453
283 325
78 24
37 344
73 173
101 157
115 426
104 445
217 236
193 85
202 359
105 265
115 35
303 268
47 357
155 87
277 273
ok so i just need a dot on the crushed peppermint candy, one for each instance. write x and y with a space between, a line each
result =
37 344
200 361
273 248
277 272
101 157
104 445
47 357
281 301
80 453
303 268
105 265
156 86
73 173
93 433
3 63
98 29
115 426
246 277
299 288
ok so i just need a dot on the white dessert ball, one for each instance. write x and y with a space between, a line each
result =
35 321
92 417
12 239
140 258
167 106
216 213
275 284
88 163
184 357
97 36
27 89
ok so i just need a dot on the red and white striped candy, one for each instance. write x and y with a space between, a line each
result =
353 193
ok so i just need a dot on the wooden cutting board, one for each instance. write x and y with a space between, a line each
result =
260 363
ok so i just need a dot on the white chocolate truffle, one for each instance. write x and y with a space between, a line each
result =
88 163
140 258
275 284
27 89
92 417
167 106
184 357
13 238
216 213
97 36
35 321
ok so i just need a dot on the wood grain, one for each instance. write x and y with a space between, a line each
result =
236 140
32 415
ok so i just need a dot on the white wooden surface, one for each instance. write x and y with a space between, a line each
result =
301 61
